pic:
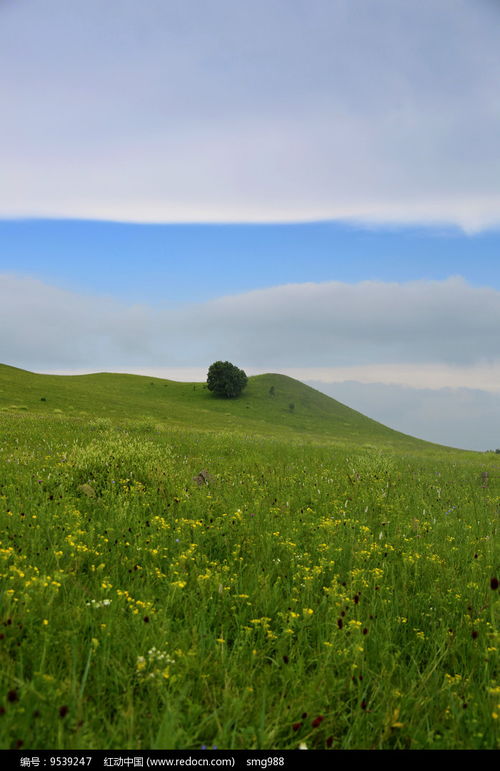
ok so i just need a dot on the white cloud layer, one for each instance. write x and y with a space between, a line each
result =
439 330
182 110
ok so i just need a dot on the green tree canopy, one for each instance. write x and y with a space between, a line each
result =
224 379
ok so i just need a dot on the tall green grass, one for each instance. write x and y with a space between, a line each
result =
302 589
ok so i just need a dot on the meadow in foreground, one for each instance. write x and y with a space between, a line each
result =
290 593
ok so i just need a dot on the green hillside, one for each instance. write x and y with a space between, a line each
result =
179 571
271 405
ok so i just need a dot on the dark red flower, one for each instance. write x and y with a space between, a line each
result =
317 721
494 583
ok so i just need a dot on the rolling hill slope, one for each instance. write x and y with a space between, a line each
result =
181 571
272 404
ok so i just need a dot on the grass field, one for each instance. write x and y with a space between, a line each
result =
180 571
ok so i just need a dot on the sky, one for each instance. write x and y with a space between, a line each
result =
304 187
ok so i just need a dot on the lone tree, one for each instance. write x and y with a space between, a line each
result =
224 379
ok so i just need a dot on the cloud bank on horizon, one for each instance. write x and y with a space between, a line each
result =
422 357
315 328
459 417
294 110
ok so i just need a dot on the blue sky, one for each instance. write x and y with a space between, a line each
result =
165 264
303 186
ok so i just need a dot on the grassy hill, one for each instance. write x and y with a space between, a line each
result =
179 571
271 405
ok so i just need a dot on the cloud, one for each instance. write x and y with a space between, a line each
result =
283 111
44 326
338 324
422 357
445 328
458 417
